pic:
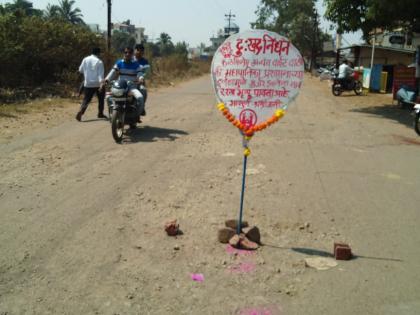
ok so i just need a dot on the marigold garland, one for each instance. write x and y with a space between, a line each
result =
250 131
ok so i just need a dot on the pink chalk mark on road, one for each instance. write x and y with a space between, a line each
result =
262 310
197 277
243 267
240 252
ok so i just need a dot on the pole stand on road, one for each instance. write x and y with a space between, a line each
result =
247 152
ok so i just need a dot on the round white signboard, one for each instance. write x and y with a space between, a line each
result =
255 74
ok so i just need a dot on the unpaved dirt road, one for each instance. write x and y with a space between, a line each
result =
81 217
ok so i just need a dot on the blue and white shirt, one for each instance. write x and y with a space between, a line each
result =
127 70
144 63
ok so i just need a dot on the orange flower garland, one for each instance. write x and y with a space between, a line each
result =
250 131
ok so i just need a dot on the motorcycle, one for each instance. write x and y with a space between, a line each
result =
122 108
326 73
406 96
341 85
417 118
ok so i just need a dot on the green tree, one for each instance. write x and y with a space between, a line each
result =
153 48
298 20
367 15
181 49
120 40
66 11
165 44
21 7
52 11
34 50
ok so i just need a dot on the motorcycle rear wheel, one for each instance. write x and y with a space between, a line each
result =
417 123
358 88
117 126
336 89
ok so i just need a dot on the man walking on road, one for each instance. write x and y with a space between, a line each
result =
93 71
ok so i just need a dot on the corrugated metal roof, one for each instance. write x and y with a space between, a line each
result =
406 51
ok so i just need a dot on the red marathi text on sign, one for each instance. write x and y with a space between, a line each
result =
267 44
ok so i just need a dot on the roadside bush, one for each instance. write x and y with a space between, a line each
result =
34 51
40 56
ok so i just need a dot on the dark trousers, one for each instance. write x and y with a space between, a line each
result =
88 94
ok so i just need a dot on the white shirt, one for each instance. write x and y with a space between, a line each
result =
344 71
93 70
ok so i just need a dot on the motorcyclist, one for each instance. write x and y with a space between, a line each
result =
345 72
130 70
139 57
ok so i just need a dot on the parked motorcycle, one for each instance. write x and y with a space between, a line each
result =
121 108
417 118
341 85
326 73
406 96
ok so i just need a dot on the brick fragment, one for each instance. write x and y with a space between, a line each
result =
172 228
234 241
342 251
225 234
253 234
233 224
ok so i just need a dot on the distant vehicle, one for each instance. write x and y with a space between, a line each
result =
405 96
341 85
326 73
417 118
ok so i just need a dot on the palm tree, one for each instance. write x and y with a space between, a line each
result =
71 15
24 6
165 39
52 11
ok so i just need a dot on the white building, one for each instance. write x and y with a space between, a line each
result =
127 27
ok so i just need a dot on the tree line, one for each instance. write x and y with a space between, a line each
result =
300 21
45 47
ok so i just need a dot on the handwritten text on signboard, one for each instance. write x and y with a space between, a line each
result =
258 71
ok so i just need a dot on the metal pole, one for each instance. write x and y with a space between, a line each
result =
109 26
371 60
242 195
314 35
373 53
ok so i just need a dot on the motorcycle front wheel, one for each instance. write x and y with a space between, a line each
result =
358 88
417 123
117 126
110 113
336 89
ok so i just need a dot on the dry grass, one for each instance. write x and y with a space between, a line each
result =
165 71
172 70
14 110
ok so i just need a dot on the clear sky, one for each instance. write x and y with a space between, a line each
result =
192 21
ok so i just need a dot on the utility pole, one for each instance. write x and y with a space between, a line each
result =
229 18
314 39
109 26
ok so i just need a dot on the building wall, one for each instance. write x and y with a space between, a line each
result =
384 57
384 38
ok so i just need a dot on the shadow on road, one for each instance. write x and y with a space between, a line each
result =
350 94
312 252
152 134
322 253
387 111
93 119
